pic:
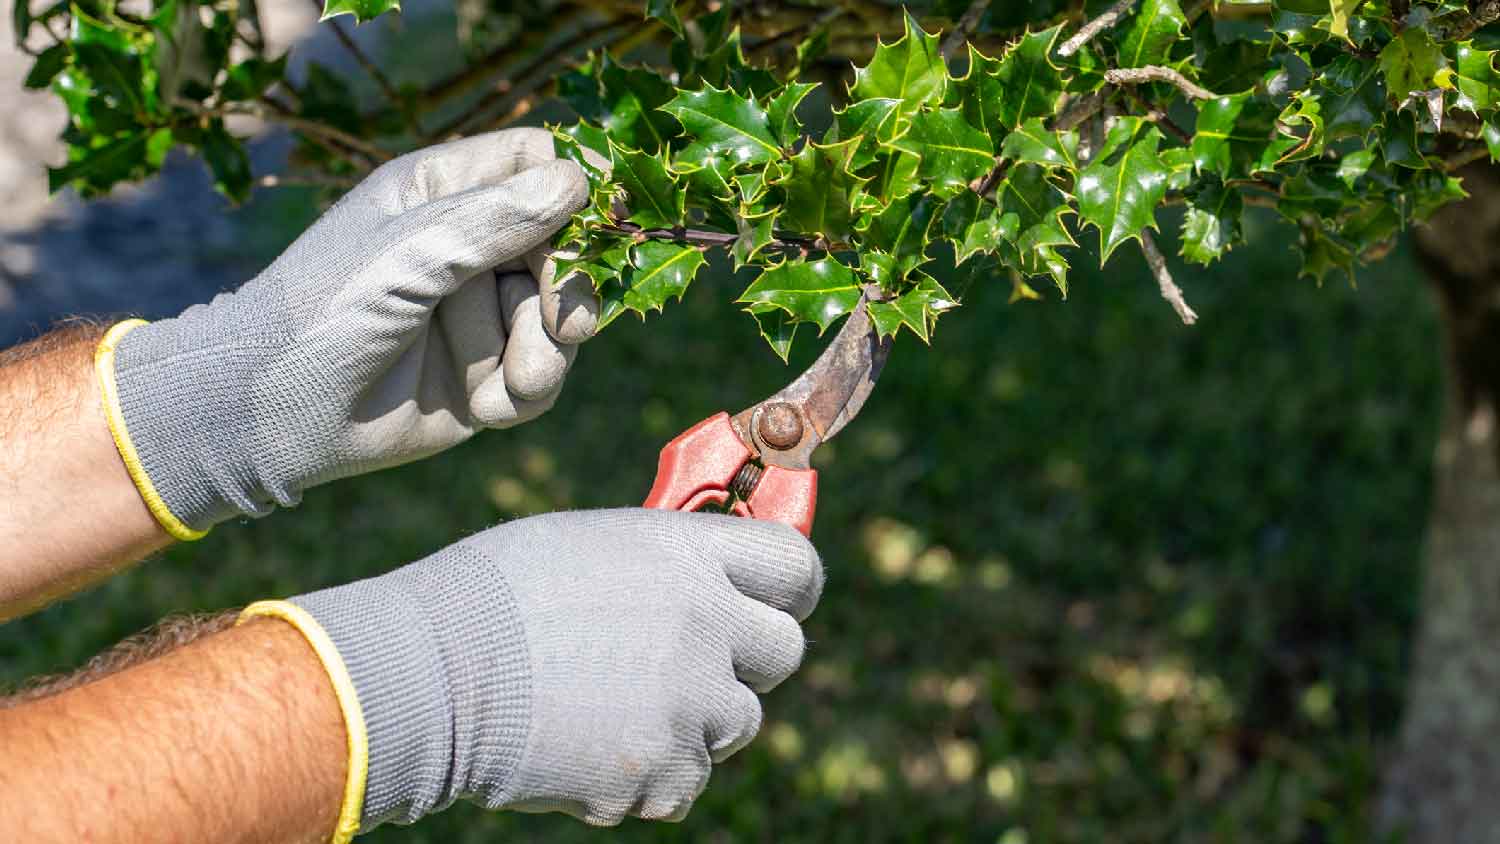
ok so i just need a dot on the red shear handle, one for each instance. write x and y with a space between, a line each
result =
696 468
789 496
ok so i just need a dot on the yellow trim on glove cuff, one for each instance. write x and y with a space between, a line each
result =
343 687
104 368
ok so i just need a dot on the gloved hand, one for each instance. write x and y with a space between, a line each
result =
591 662
381 336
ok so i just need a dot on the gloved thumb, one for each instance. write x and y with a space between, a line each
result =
431 250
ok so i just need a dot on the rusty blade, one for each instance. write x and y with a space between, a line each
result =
824 397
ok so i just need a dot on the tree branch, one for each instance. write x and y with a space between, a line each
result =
371 70
828 16
1480 14
1157 73
527 79
1169 289
264 111
964 28
1091 30
703 237
1158 116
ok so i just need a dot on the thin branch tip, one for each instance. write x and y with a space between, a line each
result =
1169 289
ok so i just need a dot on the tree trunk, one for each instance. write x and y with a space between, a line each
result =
1443 781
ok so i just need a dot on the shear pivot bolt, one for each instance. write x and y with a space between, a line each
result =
780 426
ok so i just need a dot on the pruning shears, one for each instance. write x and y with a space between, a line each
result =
756 463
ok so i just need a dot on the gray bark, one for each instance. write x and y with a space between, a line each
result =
1443 778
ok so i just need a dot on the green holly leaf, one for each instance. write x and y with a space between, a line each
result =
821 190
1400 142
1119 190
49 63
777 327
723 121
871 121
1151 33
94 170
782 112
976 225
900 230
997 95
629 106
1299 134
362 10
1339 12
1033 143
818 291
709 177
725 67
1179 164
1475 77
950 152
1211 224
1352 97
660 270
1230 132
1038 207
910 70
666 12
894 176
1323 253
1410 62
1354 165
752 185
755 232
915 309
1491 135
227 161
651 192
252 77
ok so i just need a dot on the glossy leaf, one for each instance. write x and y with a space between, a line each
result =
651 192
722 121
1152 31
1119 190
872 121
781 111
950 152
660 271
818 291
362 10
821 190
1033 143
1410 62
1211 224
1475 77
916 309
901 230
910 70
997 95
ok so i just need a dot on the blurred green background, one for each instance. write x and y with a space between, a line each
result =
1093 575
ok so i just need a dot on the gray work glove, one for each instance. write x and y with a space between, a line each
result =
382 335
591 662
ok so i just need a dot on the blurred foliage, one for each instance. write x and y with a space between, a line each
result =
1092 576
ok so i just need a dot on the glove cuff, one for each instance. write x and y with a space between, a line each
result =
104 369
180 398
437 656
352 805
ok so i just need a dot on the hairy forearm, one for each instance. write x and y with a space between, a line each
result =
235 737
69 514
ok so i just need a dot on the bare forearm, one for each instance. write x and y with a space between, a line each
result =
69 514
235 737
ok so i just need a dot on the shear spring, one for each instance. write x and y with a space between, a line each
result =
745 480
